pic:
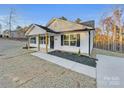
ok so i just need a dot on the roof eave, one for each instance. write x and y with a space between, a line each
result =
78 30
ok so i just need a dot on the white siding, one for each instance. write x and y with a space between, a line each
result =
84 44
37 30
57 42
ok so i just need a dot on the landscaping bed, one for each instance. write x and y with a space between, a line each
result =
75 57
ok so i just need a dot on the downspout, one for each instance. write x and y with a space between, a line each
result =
89 43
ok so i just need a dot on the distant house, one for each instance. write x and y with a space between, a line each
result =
6 33
61 35
18 33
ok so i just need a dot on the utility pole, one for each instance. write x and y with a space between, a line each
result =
0 28
11 20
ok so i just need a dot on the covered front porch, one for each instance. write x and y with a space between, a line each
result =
41 42
40 38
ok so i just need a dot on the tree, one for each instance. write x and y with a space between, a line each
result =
63 18
117 29
78 20
107 25
112 28
18 27
97 37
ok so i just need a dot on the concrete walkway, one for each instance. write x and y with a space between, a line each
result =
74 66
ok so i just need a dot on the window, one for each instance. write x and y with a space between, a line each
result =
71 40
66 40
33 40
42 40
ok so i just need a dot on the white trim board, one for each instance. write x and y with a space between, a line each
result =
74 66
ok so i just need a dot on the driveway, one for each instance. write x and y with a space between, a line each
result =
110 72
20 69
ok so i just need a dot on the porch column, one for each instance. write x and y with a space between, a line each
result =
46 42
39 42
28 42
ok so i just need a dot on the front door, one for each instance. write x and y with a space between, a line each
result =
51 41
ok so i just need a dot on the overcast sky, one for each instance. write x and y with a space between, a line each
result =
41 14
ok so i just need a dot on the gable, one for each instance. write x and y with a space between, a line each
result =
35 31
59 25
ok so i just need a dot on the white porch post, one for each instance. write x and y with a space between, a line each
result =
46 42
28 42
38 42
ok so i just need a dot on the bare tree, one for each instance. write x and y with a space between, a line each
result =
117 15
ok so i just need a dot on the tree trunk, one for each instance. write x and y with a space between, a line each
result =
120 39
114 38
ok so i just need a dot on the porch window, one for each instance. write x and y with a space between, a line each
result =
33 40
42 40
66 40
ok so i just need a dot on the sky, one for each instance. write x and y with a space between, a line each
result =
41 13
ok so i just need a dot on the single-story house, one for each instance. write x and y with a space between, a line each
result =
6 33
61 35
19 33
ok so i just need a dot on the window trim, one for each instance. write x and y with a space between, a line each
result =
34 41
69 40
73 40
66 40
43 40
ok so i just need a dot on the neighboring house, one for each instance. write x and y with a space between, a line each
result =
18 33
61 35
6 33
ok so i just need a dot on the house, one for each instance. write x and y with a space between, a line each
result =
61 35
19 33
6 33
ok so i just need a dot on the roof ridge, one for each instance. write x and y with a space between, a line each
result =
71 22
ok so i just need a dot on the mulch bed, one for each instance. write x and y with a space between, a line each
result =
75 57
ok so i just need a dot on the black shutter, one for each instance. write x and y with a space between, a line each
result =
78 40
61 40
